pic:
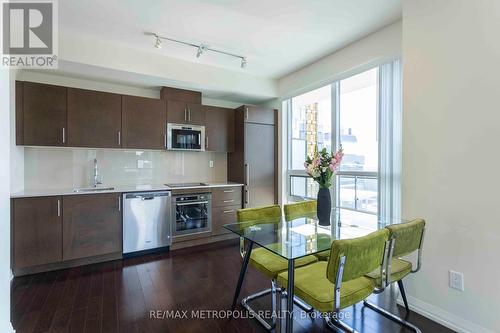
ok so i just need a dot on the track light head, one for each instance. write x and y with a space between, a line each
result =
158 42
200 51
243 62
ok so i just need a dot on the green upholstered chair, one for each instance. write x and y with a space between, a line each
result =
303 209
332 285
406 238
263 260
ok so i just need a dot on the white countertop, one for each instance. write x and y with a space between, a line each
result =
116 189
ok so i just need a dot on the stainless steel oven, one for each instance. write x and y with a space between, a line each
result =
185 137
191 213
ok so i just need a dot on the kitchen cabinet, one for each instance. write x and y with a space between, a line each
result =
258 115
143 123
94 119
179 112
92 225
37 231
219 129
40 114
254 160
225 203
183 106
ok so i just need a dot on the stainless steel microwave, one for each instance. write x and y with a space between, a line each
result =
185 137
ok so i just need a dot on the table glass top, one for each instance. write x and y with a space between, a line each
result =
303 236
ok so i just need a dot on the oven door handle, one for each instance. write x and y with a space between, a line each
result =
191 203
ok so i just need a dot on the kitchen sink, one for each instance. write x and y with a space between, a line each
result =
93 189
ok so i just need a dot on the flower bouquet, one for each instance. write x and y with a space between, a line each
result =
322 167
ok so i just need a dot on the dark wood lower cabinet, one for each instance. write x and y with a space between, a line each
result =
91 225
37 231
221 216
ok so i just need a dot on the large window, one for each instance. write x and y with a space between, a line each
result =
353 112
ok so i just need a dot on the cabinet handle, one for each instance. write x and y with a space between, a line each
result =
119 204
247 174
189 115
206 142
246 113
165 140
226 201
119 138
185 114
63 135
228 191
247 197
228 211
58 207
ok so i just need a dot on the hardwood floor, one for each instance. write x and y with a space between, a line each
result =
119 296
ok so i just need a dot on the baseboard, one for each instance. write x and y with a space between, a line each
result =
443 317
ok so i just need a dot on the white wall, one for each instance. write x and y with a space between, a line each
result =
5 274
381 46
450 177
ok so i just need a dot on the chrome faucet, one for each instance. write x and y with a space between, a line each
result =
96 175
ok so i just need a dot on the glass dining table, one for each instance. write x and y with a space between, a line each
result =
299 237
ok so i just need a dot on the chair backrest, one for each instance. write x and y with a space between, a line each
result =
362 255
259 213
299 209
407 236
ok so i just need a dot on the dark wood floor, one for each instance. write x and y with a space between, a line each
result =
118 297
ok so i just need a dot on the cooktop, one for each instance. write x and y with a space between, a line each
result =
186 185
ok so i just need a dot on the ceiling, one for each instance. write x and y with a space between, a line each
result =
277 36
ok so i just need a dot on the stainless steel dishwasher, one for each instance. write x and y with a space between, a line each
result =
146 221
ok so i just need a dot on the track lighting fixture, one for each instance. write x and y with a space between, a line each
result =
158 42
200 51
200 48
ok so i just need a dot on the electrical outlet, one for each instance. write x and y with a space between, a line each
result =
456 280
211 164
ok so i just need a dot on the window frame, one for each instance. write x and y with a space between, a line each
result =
388 188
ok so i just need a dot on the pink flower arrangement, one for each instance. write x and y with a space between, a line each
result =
323 165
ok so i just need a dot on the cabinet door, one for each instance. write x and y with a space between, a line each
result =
143 123
176 112
219 129
37 231
94 119
259 115
260 165
41 114
221 216
91 225
195 114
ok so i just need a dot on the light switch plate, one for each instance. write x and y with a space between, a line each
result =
456 280
211 164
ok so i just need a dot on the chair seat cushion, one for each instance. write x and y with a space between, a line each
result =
313 287
399 269
271 264
323 255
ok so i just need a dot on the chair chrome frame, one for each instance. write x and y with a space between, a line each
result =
383 311
245 302
332 319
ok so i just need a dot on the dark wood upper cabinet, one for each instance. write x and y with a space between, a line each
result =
91 225
40 114
183 106
181 95
258 115
94 119
143 123
176 112
195 114
37 231
219 129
